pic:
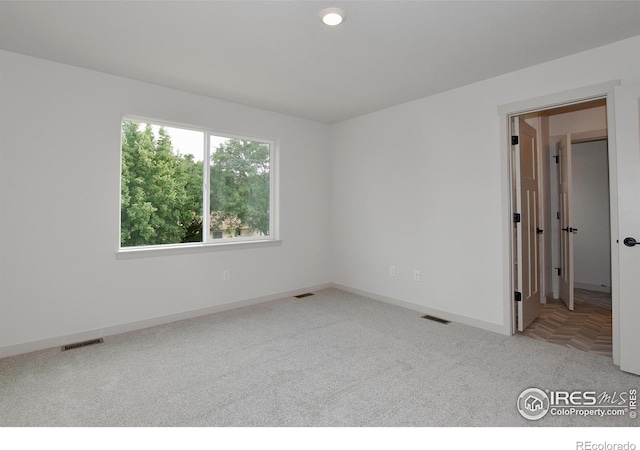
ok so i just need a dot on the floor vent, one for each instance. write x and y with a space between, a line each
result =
308 294
436 319
82 344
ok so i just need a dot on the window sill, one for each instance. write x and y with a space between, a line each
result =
183 249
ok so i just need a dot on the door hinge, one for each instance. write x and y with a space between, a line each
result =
517 296
516 218
559 271
557 158
558 215
514 140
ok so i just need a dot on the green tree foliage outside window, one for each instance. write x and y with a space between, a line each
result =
240 188
162 191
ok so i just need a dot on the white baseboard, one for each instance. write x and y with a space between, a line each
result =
494 327
592 287
59 341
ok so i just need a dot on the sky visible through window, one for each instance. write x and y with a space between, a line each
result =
188 142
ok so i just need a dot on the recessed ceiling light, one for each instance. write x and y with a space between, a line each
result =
332 16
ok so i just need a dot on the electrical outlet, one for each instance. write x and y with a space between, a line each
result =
416 275
226 275
392 271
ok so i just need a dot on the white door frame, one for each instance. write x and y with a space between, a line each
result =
580 95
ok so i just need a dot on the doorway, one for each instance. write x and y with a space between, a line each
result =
562 256
623 125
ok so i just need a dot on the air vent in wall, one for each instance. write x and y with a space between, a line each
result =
82 344
436 319
304 295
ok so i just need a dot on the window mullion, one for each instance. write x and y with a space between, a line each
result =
206 167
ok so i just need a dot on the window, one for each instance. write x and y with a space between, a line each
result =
170 196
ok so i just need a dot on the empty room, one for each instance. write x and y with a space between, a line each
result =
318 214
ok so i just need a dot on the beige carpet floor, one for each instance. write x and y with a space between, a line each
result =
331 359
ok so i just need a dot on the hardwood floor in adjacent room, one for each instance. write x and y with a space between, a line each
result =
587 327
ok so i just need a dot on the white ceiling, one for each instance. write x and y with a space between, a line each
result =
277 55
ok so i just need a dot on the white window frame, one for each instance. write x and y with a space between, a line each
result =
208 244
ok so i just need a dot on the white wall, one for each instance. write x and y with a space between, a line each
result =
419 186
59 179
590 214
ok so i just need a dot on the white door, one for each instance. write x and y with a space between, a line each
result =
528 206
627 135
566 230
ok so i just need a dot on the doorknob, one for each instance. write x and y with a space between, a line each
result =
630 242
539 231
